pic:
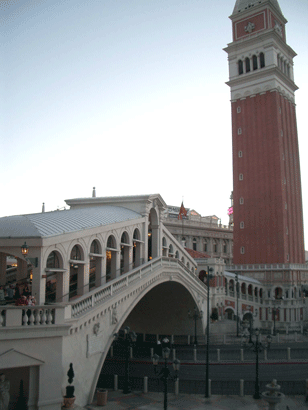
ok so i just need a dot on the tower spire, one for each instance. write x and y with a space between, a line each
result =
243 5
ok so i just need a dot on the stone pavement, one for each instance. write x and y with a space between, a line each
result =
155 401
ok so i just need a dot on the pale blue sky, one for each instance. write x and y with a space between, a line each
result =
128 96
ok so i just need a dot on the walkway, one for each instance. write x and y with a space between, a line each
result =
154 401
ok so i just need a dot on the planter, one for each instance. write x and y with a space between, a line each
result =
101 396
68 402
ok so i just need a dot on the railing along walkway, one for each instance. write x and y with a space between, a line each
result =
105 292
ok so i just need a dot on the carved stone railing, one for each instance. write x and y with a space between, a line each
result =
100 295
265 267
24 316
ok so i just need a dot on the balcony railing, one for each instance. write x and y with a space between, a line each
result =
25 316
265 267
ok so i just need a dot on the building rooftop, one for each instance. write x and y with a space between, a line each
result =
48 224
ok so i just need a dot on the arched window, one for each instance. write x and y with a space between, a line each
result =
242 225
194 244
241 177
241 201
255 62
240 154
247 64
215 247
124 237
136 234
53 261
240 67
225 247
242 250
205 245
170 250
262 60
94 247
111 242
75 254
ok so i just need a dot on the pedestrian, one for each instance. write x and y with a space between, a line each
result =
10 292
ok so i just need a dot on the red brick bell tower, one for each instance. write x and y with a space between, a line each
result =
268 220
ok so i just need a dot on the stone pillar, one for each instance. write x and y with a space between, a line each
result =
21 269
116 264
83 276
101 273
63 287
33 387
2 269
39 284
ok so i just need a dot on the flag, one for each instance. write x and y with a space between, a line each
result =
182 212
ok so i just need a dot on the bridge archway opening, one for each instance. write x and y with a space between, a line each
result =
76 283
125 250
164 311
95 264
136 248
111 258
153 235
54 279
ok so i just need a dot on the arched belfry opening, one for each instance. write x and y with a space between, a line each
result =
153 235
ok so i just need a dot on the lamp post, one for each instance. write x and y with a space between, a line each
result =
209 276
165 374
196 316
275 310
129 338
237 295
257 349
251 323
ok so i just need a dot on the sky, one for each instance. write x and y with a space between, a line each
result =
128 96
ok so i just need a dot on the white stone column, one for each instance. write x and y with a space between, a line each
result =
117 263
100 271
21 269
33 387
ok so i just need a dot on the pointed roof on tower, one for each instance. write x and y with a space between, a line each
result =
243 5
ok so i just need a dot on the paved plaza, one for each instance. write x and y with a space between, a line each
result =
154 401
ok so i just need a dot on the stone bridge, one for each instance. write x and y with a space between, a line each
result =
112 263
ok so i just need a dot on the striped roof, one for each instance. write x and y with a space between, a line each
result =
48 224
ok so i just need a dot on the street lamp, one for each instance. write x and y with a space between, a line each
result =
237 296
257 348
275 311
165 374
251 323
195 315
129 338
25 251
209 276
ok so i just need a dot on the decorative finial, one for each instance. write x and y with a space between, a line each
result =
43 207
94 193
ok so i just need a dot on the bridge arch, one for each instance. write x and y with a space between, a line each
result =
169 317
